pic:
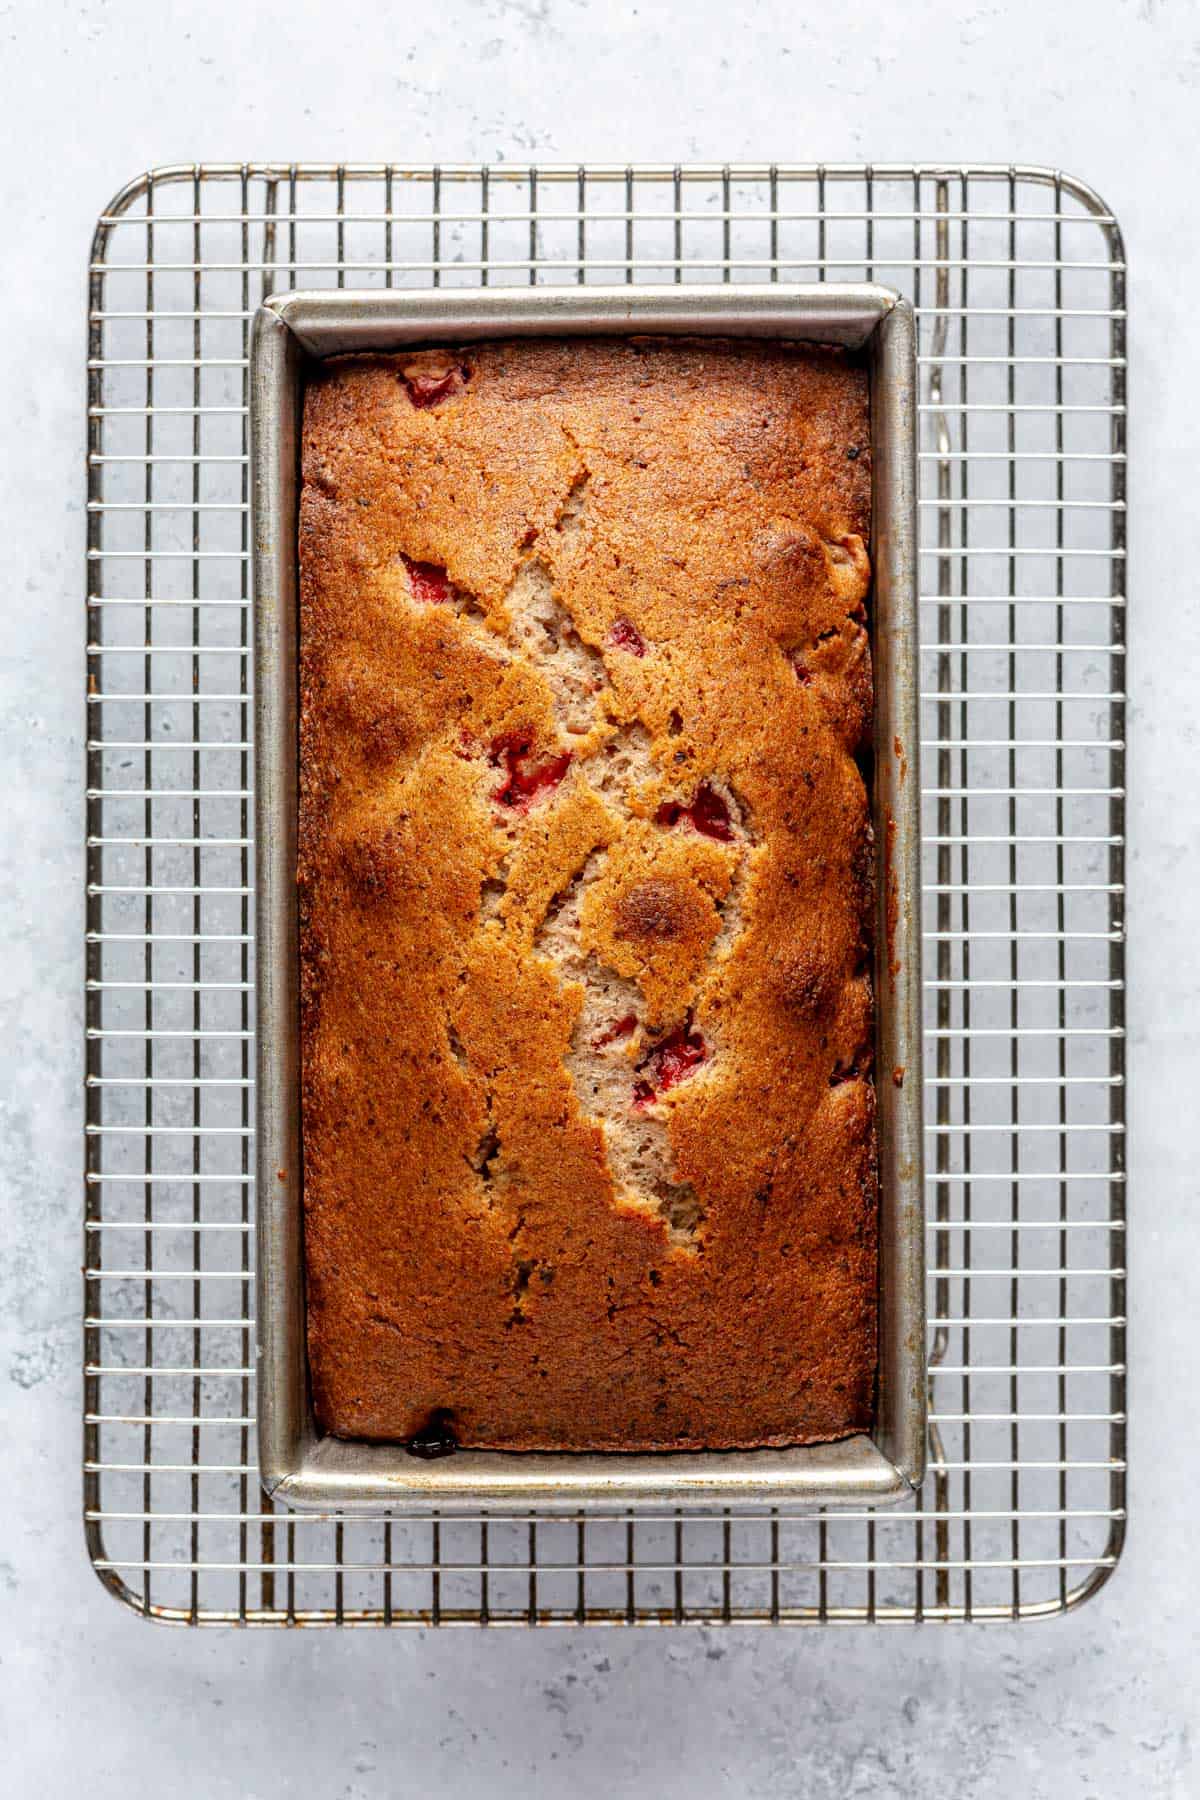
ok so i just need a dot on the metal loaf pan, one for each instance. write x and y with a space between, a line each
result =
304 1469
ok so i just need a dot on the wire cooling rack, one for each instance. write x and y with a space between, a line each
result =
1018 279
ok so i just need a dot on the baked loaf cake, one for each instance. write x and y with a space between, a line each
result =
586 891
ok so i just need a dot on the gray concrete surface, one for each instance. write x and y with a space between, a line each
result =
1102 1703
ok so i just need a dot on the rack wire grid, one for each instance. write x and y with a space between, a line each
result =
1018 278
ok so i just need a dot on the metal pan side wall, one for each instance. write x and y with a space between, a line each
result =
297 1467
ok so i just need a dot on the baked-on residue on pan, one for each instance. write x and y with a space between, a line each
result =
586 896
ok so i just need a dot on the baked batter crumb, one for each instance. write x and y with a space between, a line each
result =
586 896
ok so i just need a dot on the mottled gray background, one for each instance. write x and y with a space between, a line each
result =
1101 1703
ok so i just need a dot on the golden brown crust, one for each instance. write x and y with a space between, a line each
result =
585 876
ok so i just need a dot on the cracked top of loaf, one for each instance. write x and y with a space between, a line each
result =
586 896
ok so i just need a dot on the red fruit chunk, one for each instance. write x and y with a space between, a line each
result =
427 386
621 1028
427 580
708 814
671 1061
803 672
625 636
523 780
